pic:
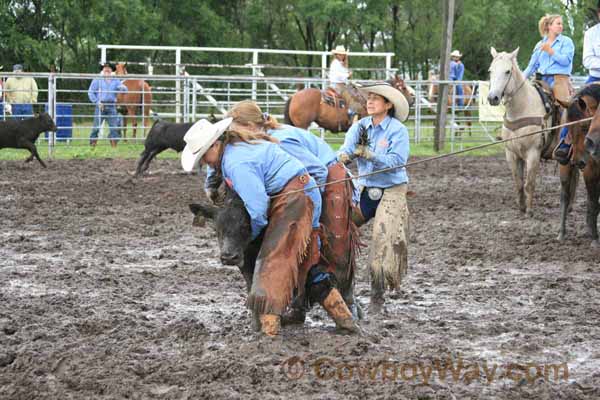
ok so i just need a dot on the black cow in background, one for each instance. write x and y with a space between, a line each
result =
22 134
162 136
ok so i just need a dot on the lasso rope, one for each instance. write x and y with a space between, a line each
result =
447 155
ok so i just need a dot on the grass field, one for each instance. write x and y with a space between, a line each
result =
78 147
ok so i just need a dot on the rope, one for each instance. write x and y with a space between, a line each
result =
447 155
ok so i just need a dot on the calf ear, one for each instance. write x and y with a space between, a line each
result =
201 213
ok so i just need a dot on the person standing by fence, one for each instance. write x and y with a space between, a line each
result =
457 72
103 93
591 50
21 92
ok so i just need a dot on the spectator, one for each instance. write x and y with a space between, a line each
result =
103 93
457 72
591 51
21 92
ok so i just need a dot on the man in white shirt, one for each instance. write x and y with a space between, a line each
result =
591 51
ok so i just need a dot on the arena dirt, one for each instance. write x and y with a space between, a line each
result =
107 291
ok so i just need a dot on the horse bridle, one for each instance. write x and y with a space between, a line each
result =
511 95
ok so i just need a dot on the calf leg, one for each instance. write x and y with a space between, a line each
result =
34 153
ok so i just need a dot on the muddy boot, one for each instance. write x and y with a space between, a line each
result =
562 153
338 310
93 142
270 324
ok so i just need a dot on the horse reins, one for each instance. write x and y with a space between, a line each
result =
410 164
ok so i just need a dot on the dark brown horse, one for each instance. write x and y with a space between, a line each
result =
306 106
585 156
137 100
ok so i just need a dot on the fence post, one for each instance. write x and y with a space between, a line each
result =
254 73
418 114
323 70
178 85
194 99
52 111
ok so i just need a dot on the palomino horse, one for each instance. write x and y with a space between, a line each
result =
585 156
525 113
432 96
136 100
306 106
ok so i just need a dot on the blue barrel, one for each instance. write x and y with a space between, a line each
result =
63 120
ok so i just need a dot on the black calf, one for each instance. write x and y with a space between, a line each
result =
22 134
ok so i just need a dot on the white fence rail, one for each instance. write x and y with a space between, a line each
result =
190 97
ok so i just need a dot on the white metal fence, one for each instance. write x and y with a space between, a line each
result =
190 97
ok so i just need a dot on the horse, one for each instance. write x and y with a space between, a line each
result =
307 106
137 98
585 156
432 96
525 113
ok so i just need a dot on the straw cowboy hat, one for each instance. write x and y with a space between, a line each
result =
456 53
339 50
198 140
391 94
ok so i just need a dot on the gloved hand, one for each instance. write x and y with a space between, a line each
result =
364 152
345 158
213 195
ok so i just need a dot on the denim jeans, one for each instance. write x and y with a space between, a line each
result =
22 111
108 113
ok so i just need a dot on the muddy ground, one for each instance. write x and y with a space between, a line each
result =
107 291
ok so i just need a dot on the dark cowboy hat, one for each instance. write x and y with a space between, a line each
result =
109 65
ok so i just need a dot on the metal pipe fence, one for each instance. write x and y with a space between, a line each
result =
191 97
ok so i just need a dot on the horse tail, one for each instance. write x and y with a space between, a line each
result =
286 112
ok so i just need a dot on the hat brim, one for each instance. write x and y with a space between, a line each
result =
392 94
199 138
345 53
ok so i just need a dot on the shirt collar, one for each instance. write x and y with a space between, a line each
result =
383 124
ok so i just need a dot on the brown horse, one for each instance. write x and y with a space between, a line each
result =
136 100
306 106
467 98
585 156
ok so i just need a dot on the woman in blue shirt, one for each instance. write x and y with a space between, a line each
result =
256 168
552 61
341 235
380 141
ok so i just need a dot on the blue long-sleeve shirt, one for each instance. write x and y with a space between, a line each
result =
561 62
390 142
457 71
259 170
313 152
104 90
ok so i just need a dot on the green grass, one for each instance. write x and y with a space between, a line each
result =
79 147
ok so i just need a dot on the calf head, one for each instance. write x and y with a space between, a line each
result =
232 224
46 122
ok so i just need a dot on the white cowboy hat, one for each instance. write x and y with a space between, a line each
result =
456 53
339 50
198 140
391 94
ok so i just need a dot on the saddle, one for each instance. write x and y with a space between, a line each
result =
332 98
553 109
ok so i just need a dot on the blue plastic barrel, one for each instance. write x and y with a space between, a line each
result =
63 120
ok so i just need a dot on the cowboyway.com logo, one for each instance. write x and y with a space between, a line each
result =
444 370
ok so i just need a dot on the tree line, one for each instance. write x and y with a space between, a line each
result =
65 33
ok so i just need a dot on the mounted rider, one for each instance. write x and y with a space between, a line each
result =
339 75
